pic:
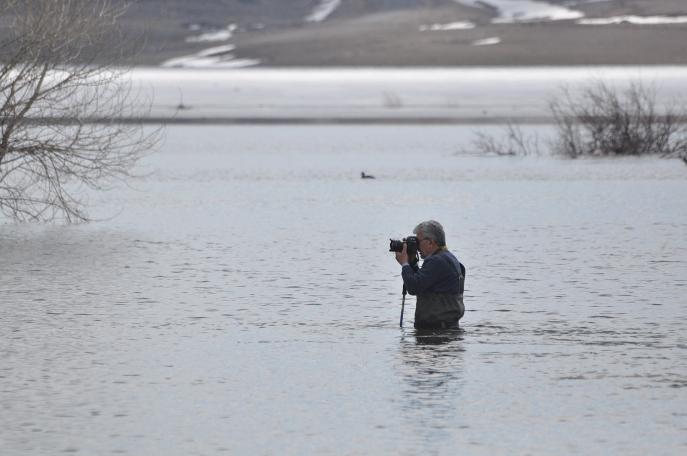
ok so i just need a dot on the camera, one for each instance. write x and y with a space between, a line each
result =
397 246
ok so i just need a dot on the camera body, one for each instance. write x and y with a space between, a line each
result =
397 246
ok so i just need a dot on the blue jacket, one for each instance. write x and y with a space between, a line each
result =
438 285
441 272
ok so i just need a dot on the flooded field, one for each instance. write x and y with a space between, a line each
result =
239 298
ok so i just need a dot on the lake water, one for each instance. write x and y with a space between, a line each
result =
239 298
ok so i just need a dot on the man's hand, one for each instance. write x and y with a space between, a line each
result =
402 256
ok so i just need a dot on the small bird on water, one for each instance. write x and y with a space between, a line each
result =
366 176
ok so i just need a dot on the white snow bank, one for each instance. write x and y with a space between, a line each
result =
487 41
323 10
214 57
217 35
637 20
524 10
450 26
209 62
216 51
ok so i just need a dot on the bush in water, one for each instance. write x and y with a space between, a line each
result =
601 120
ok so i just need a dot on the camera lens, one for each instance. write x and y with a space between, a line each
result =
395 245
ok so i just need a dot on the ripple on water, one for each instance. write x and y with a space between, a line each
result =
253 291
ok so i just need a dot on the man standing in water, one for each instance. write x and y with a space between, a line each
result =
438 284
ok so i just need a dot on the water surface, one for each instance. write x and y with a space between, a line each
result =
240 299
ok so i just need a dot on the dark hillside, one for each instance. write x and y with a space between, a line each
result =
388 33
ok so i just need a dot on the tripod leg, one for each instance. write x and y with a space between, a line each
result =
403 304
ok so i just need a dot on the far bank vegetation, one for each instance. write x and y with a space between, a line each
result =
600 120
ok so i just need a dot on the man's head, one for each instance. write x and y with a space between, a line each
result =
430 237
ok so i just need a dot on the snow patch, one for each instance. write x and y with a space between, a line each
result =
216 35
637 20
487 41
323 10
214 57
450 26
511 11
209 62
216 51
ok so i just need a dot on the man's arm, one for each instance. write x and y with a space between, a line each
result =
423 279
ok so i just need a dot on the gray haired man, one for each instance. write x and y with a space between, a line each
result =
438 284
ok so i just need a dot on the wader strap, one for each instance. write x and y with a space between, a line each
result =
460 274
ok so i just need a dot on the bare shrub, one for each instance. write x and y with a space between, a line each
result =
61 104
600 120
512 142
392 100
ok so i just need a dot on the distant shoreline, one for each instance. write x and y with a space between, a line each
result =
329 120
369 95
401 120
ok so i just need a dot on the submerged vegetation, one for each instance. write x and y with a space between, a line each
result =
514 141
601 120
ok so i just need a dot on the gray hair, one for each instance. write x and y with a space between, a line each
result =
432 230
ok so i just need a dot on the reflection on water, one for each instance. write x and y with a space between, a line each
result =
432 371
244 302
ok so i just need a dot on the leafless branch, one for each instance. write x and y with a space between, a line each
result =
54 82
